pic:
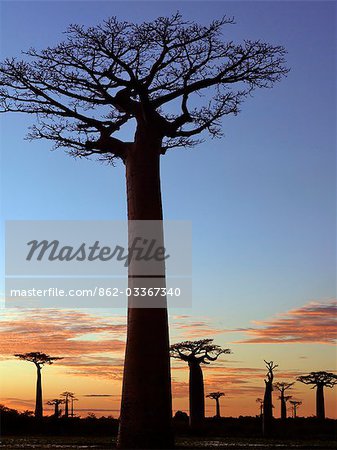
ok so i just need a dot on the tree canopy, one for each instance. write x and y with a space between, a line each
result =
203 351
215 395
327 379
38 358
86 88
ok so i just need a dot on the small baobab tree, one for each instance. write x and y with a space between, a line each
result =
67 397
260 402
319 380
267 399
282 386
56 402
295 404
39 359
216 396
153 77
196 353
72 400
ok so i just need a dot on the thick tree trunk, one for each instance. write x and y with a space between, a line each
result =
197 396
267 410
38 402
146 410
217 414
320 408
283 408
66 408
56 413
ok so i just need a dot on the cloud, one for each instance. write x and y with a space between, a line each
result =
90 344
311 323
98 395
187 327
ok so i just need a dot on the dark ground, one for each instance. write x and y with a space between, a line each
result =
22 431
67 443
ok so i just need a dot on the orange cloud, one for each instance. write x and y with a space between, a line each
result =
90 345
312 323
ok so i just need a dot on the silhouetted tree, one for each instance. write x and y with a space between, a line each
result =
267 399
282 386
216 396
260 401
100 78
39 359
72 399
319 380
295 404
67 397
196 353
56 402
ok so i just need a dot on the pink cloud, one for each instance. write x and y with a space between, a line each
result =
311 323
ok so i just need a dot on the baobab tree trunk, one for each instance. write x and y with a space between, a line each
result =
217 415
267 410
197 396
283 408
38 402
320 408
146 410
66 408
56 412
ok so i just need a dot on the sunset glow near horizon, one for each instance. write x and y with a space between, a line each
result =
261 201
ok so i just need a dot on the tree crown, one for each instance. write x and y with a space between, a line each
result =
322 378
86 88
215 395
201 351
55 401
282 386
38 358
270 374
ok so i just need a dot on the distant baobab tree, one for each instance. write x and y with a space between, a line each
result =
67 396
319 380
267 399
196 353
216 396
260 401
56 402
153 76
72 400
282 386
39 359
295 405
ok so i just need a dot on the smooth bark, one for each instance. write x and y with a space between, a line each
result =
283 407
217 415
66 407
146 410
320 408
38 402
267 408
197 396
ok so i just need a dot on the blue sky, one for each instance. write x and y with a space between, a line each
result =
261 199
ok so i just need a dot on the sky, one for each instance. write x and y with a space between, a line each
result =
261 200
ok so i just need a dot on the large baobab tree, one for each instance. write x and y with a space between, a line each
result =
282 386
267 399
56 402
171 79
196 353
39 359
216 396
319 380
